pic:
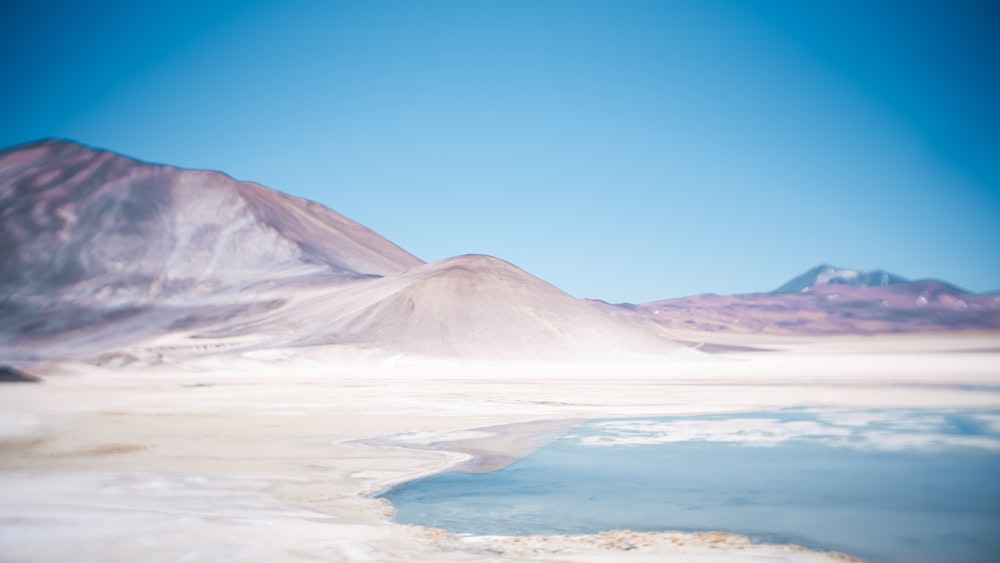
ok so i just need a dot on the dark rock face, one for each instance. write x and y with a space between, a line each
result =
13 375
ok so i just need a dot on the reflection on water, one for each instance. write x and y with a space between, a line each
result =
886 485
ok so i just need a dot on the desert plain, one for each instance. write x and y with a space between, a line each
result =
277 455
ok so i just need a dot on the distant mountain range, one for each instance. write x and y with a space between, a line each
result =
832 300
107 257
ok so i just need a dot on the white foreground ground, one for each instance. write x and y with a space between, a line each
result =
229 459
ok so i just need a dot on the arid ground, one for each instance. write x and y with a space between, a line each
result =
276 458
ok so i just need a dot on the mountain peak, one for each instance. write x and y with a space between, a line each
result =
79 221
147 257
826 274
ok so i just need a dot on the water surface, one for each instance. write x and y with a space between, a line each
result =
886 485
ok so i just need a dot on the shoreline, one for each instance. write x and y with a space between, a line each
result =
482 449
622 541
497 446
224 459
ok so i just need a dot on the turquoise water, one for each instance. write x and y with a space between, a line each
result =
889 486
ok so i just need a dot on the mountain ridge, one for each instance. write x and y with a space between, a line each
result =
73 214
107 253
828 300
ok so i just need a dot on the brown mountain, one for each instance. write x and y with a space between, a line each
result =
470 306
104 254
100 250
81 222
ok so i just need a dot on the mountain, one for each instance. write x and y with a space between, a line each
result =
87 223
471 306
101 250
829 300
829 275
107 256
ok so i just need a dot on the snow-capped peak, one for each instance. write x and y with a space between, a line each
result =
831 275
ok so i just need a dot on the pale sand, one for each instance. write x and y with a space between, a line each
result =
236 460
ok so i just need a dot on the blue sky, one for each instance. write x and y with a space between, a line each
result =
623 150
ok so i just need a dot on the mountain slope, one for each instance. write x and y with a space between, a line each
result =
826 274
79 223
470 306
100 250
106 255
828 300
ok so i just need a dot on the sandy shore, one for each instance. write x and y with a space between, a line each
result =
230 460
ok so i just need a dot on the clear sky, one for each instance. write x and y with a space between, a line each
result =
622 150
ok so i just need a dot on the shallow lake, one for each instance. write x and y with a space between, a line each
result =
884 485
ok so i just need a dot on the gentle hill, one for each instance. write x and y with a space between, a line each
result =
470 306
